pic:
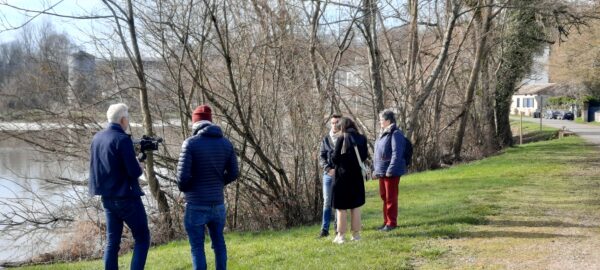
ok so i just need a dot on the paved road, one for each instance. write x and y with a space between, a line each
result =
590 133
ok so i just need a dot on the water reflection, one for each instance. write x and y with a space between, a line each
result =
23 175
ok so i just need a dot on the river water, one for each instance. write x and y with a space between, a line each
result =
24 175
23 188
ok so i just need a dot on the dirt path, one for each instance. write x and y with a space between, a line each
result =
557 240
540 228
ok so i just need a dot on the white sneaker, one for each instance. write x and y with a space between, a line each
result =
339 239
355 237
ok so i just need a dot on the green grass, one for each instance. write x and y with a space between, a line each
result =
532 131
529 126
442 204
580 121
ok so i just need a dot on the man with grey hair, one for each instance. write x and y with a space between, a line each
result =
114 173
389 165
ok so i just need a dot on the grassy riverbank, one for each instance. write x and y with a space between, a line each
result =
531 131
436 205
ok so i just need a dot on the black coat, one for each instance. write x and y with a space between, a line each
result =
348 184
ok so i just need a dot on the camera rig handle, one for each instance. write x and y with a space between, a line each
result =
142 157
147 143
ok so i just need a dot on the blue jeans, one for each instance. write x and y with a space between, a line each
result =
327 190
131 212
197 218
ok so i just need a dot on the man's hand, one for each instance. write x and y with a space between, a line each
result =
331 172
141 163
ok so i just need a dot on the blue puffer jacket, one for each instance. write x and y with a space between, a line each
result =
206 164
114 170
388 159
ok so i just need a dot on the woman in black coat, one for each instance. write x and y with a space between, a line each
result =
348 186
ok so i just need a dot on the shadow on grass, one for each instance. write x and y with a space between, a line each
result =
533 223
454 233
535 136
511 234
446 221
448 228
577 202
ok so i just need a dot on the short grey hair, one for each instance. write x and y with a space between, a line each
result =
116 112
388 114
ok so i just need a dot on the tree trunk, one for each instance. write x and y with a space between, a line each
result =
155 190
413 121
491 144
483 33
504 134
370 33
413 47
525 37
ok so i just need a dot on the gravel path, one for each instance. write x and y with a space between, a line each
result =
538 231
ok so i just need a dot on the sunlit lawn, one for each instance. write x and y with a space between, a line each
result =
435 204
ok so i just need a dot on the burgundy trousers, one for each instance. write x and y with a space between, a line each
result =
388 190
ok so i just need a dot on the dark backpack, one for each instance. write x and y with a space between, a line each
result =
408 151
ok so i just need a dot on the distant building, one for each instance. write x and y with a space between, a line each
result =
93 80
119 80
82 86
531 97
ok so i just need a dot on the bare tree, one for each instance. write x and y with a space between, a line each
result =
483 17
448 67
370 13
130 45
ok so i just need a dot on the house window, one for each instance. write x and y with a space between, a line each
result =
518 102
528 103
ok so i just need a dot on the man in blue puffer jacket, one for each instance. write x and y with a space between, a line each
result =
206 164
389 165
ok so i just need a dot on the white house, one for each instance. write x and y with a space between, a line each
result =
536 88
529 97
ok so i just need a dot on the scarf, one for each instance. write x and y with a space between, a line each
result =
333 136
387 130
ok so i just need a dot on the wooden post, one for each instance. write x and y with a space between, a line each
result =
521 130
541 107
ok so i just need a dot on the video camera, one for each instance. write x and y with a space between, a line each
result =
147 143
